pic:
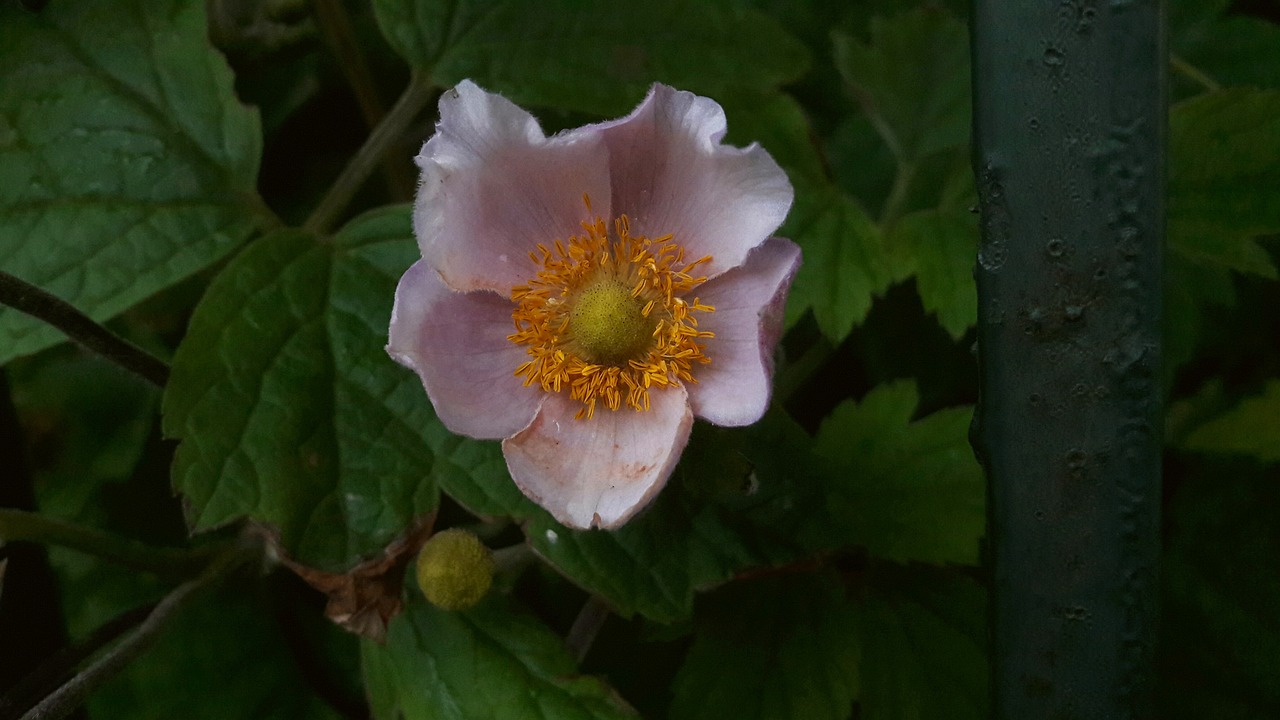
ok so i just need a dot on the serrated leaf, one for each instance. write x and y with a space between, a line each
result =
923 646
289 410
940 248
592 56
126 163
1224 178
1250 428
912 79
736 501
655 563
783 647
907 491
1220 645
491 662
845 263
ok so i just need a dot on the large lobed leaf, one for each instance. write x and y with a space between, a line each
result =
912 79
845 263
491 662
1250 428
905 643
924 644
781 647
768 495
126 162
907 491
1224 178
593 56
289 410
727 508
939 247
1220 653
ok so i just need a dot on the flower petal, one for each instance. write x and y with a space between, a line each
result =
457 343
494 186
749 300
671 174
599 472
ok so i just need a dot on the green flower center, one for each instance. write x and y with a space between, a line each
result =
608 323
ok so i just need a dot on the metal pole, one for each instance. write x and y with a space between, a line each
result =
1069 131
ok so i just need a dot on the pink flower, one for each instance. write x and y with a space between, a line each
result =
584 296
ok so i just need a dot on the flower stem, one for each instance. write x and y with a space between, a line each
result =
795 374
1178 63
511 560
586 626
63 701
27 298
893 205
415 97
54 671
167 562
335 25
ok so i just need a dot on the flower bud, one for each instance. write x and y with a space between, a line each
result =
455 569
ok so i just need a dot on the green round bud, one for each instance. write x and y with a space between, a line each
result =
455 569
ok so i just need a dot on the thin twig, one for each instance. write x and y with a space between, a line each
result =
335 25
894 204
73 693
415 97
53 671
513 559
586 626
1177 62
797 372
27 298
167 562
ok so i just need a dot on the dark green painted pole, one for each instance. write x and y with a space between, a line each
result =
1069 130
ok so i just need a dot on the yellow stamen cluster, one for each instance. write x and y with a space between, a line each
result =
606 318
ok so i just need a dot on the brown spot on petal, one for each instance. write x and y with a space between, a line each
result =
632 472
365 598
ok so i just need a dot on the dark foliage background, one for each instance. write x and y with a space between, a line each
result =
161 163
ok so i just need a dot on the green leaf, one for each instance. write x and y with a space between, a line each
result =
493 661
126 163
736 501
1220 644
1251 428
289 410
1190 288
1232 49
655 563
760 497
940 246
908 491
845 263
783 647
912 79
1224 178
592 56
923 646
